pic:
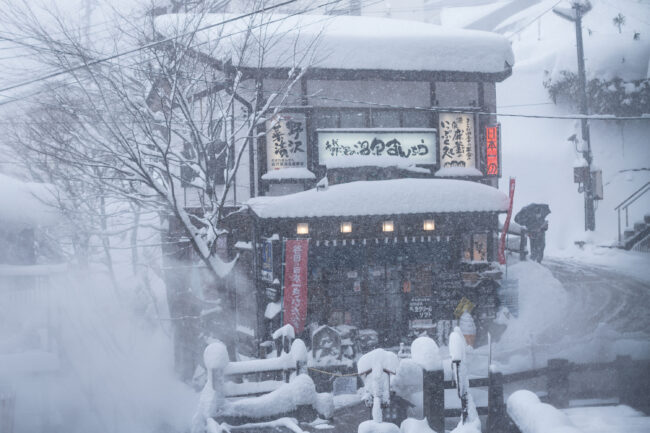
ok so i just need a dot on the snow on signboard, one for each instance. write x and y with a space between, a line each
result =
376 147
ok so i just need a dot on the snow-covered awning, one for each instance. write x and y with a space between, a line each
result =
384 197
345 43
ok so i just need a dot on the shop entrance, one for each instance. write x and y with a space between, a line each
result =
385 303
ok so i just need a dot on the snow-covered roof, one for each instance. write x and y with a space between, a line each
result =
384 197
24 204
347 42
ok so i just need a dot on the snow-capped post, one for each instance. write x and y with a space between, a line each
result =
283 338
425 352
212 397
457 352
497 416
470 422
299 354
557 379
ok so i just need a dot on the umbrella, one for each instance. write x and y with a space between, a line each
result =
532 216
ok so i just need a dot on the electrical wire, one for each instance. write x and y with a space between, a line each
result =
144 47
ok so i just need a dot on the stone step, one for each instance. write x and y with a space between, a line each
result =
646 218
628 234
639 227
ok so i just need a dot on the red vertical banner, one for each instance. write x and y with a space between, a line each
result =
506 224
295 283
492 150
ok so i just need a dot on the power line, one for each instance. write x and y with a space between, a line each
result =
146 46
178 36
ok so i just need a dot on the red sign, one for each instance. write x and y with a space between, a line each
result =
502 244
295 283
492 150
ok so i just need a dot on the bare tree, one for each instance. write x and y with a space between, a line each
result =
178 115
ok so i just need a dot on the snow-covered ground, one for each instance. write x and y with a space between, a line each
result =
84 357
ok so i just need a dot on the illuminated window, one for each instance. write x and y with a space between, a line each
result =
387 226
302 229
346 227
429 225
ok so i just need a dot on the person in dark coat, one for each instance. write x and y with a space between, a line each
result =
538 242
533 217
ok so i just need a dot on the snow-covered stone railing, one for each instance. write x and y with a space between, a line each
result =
530 415
282 367
258 401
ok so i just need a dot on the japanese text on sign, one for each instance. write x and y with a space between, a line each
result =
286 142
295 283
380 147
457 141
492 150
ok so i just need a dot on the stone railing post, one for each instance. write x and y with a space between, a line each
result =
557 382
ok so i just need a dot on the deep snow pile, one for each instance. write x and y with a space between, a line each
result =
533 416
554 323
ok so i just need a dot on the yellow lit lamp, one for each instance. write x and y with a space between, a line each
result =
302 229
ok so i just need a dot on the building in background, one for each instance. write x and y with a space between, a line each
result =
376 180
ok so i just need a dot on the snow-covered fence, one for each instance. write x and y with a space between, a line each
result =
530 415
624 379
264 375
248 400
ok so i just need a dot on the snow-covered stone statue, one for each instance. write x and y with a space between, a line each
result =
375 369
468 328
469 421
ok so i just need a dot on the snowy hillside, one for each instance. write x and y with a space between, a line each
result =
537 152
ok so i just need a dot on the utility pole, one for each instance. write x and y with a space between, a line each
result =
578 9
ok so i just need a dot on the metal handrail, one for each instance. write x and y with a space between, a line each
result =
625 204
631 195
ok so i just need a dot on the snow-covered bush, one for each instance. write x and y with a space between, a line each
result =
604 96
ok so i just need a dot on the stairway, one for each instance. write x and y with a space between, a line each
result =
637 238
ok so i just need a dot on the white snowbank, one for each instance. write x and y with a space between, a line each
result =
533 416
371 426
289 173
408 381
425 352
609 419
350 42
26 204
384 197
412 425
542 302
215 356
